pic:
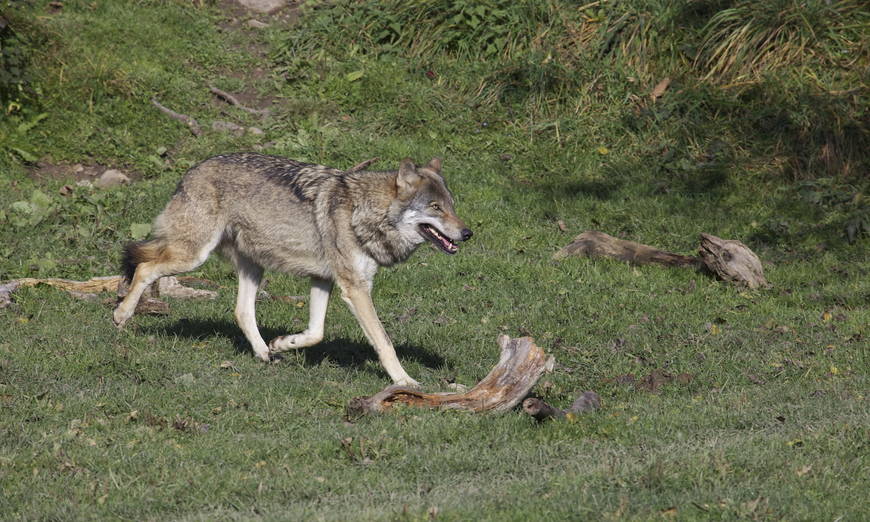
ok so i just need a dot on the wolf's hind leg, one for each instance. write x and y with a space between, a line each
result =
151 260
250 274
320 289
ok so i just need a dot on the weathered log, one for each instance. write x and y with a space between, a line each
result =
93 285
542 411
165 286
520 366
732 261
593 243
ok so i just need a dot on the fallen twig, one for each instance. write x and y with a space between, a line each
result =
520 366
191 123
232 100
361 166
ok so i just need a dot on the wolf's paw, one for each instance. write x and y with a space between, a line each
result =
292 342
407 381
263 354
119 318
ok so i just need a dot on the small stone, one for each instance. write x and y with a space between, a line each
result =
256 131
256 24
227 126
111 178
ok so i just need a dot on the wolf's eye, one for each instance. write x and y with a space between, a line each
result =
435 206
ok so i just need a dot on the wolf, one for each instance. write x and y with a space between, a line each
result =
332 226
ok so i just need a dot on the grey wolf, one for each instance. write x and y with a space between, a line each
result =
331 226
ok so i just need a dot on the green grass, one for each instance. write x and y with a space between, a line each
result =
146 424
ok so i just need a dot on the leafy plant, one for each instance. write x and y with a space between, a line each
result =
33 211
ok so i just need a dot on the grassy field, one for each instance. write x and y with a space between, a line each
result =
543 113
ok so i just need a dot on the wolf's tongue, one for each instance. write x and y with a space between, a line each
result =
443 241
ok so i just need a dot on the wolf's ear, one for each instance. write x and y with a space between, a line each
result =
408 179
435 165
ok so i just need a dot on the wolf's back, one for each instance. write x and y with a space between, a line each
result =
250 171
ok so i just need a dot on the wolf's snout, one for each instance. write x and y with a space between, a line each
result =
466 234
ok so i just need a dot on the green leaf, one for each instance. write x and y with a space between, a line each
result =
26 156
40 200
23 207
26 126
354 76
140 230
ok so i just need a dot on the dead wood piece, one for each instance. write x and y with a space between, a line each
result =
541 411
520 366
191 123
152 306
728 259
731 260
593 243
165 286
171 287
361 166
93 285
232 100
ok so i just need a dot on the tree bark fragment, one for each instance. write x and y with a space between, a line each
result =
520 366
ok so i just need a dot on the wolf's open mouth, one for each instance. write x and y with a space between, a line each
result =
441 241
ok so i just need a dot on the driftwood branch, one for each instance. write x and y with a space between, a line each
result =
232 100
165 286
361 166
191 123
542 411
593 243
730 260
520 366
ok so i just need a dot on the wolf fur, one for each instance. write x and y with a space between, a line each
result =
319 222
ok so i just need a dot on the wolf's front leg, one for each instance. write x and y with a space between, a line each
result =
250 275
359 299
320 289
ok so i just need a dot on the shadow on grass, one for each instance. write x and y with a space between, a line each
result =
343 352
572 188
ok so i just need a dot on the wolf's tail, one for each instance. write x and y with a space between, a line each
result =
139 252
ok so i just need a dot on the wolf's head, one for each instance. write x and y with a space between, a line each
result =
428 207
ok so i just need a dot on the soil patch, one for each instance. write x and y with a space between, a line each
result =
45 171
48 171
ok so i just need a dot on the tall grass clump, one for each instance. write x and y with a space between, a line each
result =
494 49
776 90
752 39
